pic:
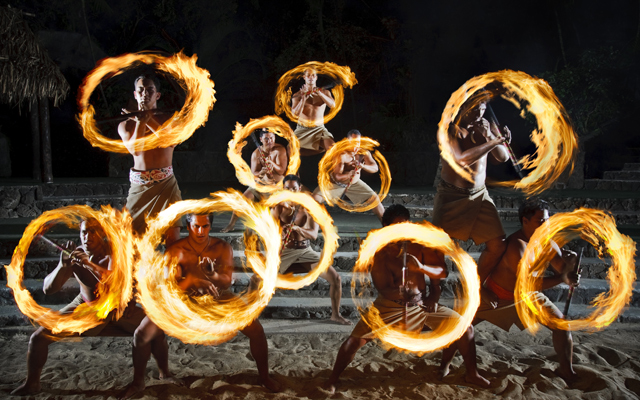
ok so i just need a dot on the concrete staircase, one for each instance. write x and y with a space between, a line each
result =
626 180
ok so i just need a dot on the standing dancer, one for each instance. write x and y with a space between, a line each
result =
153 185
464 209
497 301
345 177
395 300
268 166
308 105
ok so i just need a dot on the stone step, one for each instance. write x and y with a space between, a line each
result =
623 175
85 189
95 202
611 185
631 167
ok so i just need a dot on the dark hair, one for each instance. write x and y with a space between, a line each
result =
151 77
354 132
261 132
292 177
189 217
394 211
529 207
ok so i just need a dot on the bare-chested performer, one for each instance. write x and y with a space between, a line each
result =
268 166
205 266
464 209
498 303
88 263
297 254
397 303
309 105
346 175
153 185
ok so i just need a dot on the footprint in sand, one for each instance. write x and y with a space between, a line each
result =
633 385
611 356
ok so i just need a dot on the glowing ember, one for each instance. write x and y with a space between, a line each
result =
555 140
329 232
332 158
429 236
599 229
273 124
177 129
342 75
113 292
204 320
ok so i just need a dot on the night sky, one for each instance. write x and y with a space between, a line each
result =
408 58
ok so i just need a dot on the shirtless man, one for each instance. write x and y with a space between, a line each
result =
347 174
498 303
309 105
464 209
268 166
153 185
297 249
88 263
397 303
205 266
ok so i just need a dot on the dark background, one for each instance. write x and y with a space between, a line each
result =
408 58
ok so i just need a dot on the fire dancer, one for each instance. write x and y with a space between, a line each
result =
297 254
153 185
407 306
346 180
464 209
88 263
205 266
497 297
308 105
268 165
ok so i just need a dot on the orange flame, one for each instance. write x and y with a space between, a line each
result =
429 236
113 292
343 75
599 229
273 124
332 158
178 128
329 231
555 140
204 320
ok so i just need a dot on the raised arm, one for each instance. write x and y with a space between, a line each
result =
298 101
474 154
54 281
369 164
383 279
310 228
325 96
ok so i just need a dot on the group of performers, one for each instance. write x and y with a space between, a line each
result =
462 208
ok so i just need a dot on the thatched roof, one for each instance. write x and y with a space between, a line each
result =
26 71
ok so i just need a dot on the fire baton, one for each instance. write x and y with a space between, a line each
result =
263 158
123 117
343 196
578 269
293 220
404 280
512 156
65 251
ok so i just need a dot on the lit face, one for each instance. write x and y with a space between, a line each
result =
529 225
292 186
90 236
355 138
146 94
199 228
310 77
268 139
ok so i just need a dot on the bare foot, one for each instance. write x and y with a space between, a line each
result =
339 319
227 228
477 379
568 376
172 379
271 384
25 389
132 390
443 371
329 386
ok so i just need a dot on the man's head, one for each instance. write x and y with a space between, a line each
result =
91 235
267 138
533 213
146 91
292 182
199 226
354 134
394 214
310 76
477 112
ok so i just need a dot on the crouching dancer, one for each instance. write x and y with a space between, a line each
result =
395 300
88 262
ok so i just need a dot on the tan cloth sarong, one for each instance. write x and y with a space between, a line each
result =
466 213
393 314
310 137
359 192
506 315
125 326
292 256
149 199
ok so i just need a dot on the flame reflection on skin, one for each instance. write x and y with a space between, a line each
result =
113 292
430 236
204 320
555 140
599 229
273 124
332 158
178 128
342 75
329 232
